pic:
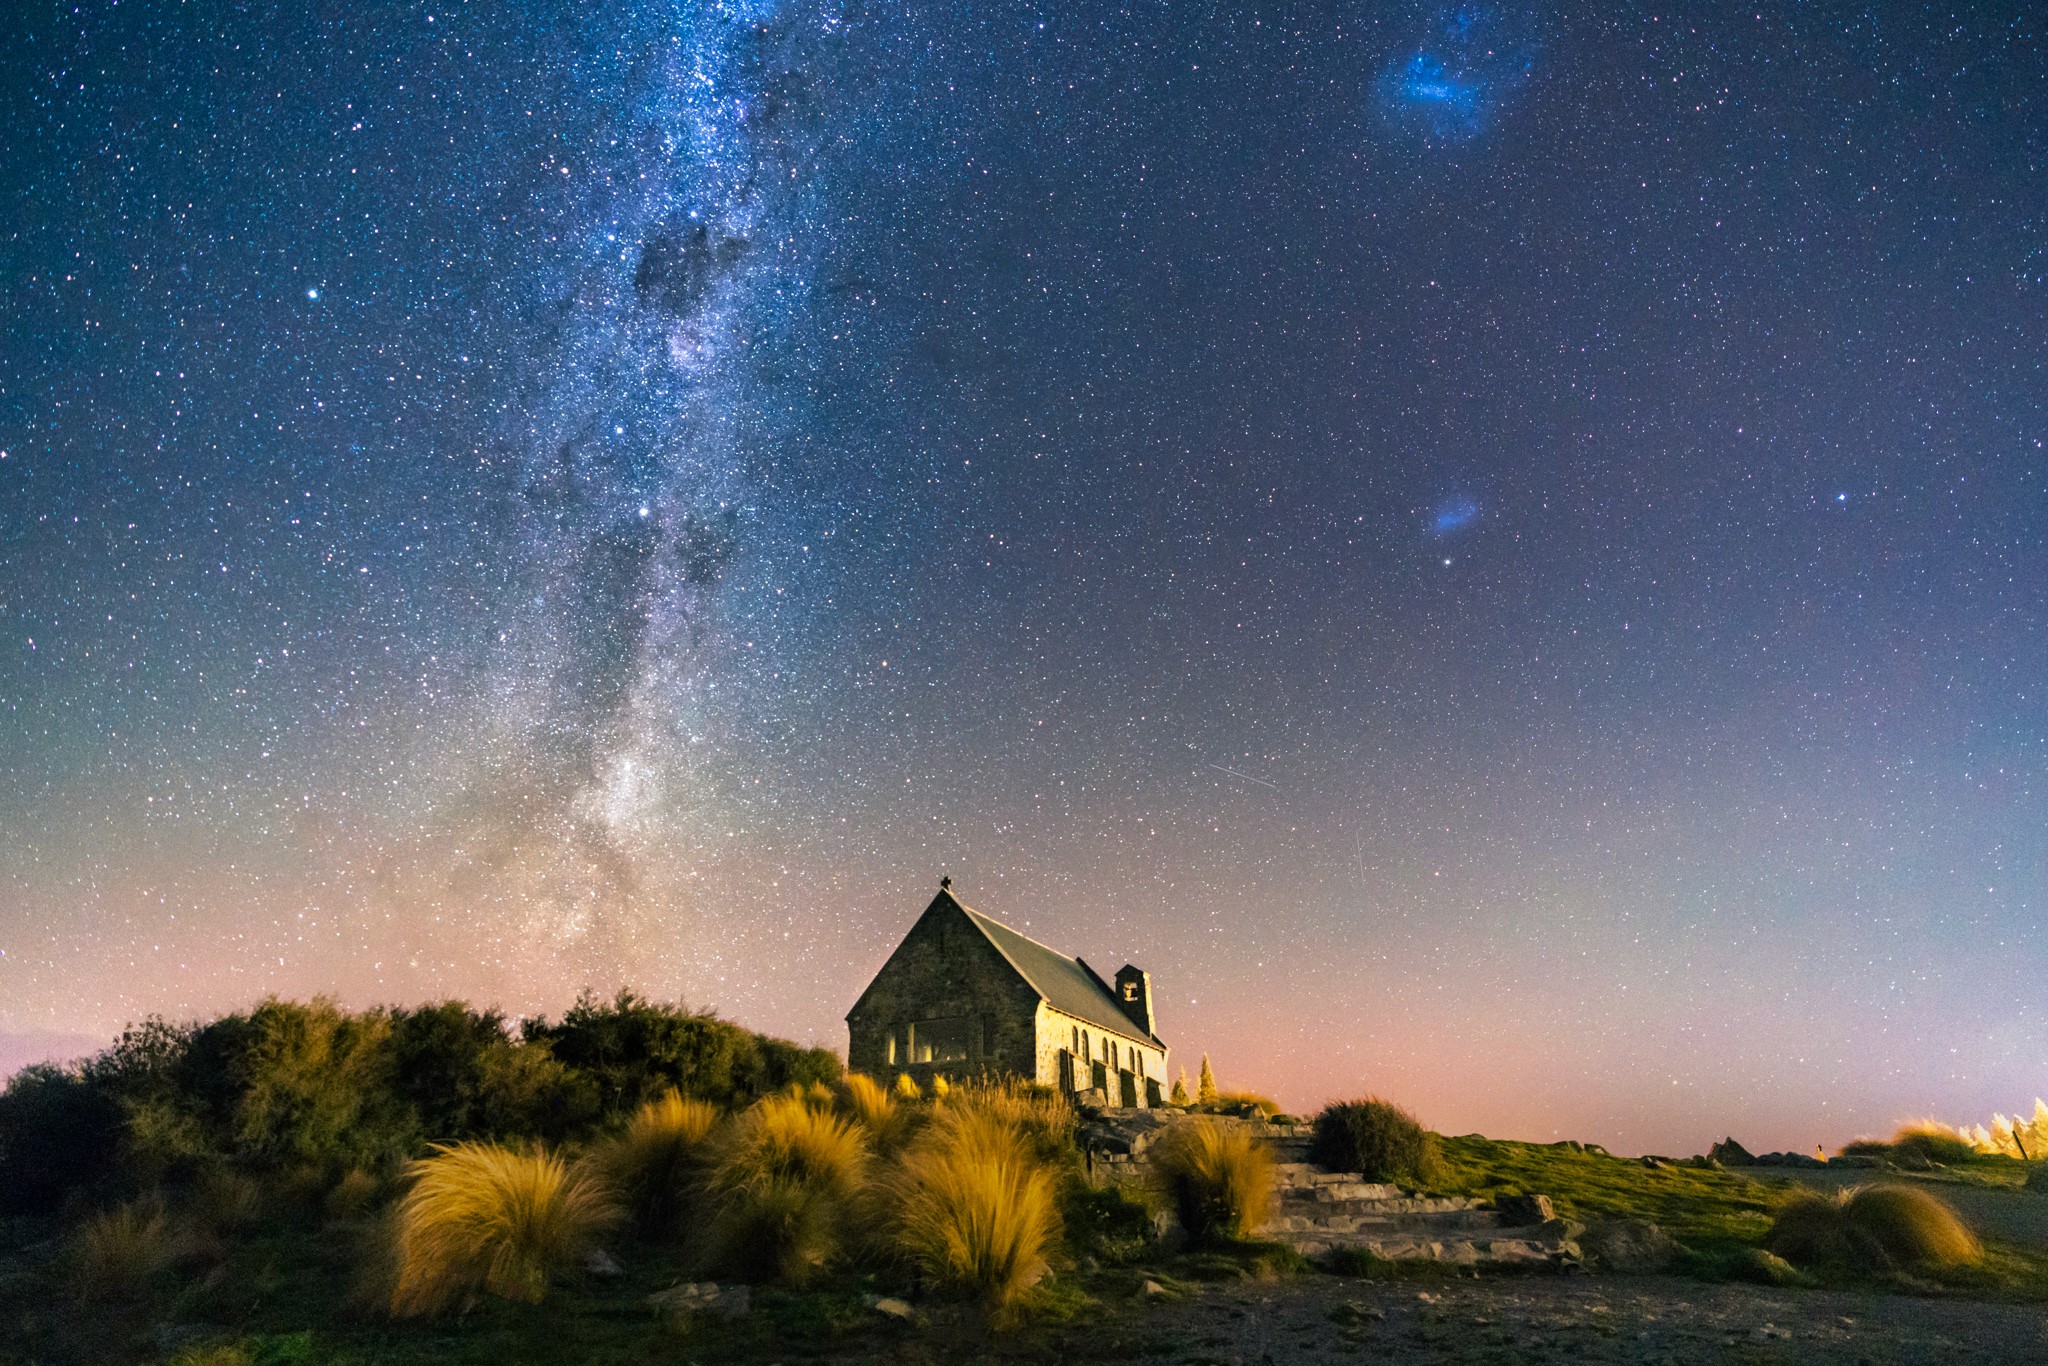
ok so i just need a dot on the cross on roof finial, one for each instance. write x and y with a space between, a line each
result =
945 884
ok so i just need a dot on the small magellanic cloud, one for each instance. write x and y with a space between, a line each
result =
1453 514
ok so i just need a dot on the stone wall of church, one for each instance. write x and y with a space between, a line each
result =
948 979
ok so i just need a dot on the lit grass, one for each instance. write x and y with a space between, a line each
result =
1701 1207
484 1218
1041 1116
656 1163
784 1183
117 1252
876 1109
973 1207
1218 1177
1873 1230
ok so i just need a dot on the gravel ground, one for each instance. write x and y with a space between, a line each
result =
1577 1320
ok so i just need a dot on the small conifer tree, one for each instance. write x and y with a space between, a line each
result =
1205 1089
1180 1089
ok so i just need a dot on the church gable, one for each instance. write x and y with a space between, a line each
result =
967 995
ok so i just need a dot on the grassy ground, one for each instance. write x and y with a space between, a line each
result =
1701 1207
282 1291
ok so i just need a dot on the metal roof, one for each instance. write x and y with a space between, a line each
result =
1066 984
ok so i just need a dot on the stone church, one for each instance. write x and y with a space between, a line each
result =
966 996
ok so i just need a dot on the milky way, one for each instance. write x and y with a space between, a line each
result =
1496 550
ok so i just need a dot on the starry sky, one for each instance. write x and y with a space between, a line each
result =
1497 550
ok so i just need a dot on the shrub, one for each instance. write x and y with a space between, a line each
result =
219 1355
2037 1177
783 1182
1041 1116
116 1252
974 1209
1377 1139
59 1132
1873 1230
223 1201
633 1049
657 1161
484 1217
1249 1104
1110 1223
1218 1177
1924 1145
353 1195
875 1109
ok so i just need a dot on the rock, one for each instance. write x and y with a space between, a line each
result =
1153 1290
1519 1211
1764 1268
1788 1160
1655 1164
889 1307
1357 1314
1729 1153
701 1297
1629 1247
598 1262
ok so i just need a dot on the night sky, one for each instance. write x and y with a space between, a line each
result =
1501 553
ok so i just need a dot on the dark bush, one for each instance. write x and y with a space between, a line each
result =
1377 1139
632 1050
58 1133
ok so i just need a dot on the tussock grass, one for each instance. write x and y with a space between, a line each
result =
1246 1103
224 1201
974 1208
1377 1138
482 1217
1217 1176
1041 1116
876 1109
353 1194
1873 1230
2037 1177
906 1087
655 1165
783 1184
116 1252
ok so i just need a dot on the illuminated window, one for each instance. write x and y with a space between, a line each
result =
941 1040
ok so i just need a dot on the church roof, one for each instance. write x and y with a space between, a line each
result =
1066 984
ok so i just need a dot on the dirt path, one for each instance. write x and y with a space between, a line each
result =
1572 1321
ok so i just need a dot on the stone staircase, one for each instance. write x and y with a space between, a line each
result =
1317 1212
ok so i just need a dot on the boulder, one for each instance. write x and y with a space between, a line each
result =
1788 1160
1629 1247
1729 1153
1522 1211
597 1262
890 1307
706 1298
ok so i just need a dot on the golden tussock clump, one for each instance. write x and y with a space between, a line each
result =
482 1217
1219 1177
972 1207
1041 1116
872 1106
117 1251
656 1163
1873 1230
783 1184
906 1087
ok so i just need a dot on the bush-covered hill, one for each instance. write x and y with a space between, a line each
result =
313 1089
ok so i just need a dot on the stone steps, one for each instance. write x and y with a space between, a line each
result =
1317 1212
